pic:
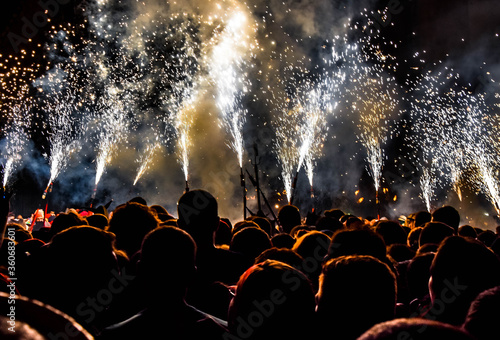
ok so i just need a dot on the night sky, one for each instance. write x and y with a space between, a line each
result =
460 34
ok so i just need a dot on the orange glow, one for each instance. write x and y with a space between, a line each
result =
361 199
356 192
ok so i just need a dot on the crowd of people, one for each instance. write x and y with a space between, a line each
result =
138 272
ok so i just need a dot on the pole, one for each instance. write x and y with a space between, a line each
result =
294 184
244 188
257 185
93 196
377 202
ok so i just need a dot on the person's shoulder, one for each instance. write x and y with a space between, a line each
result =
206 325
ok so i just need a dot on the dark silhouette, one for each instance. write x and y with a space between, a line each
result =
283 240
166 268
198 215
421 218
417 329
98 220
355 293
391 232
483 315
447 215
413 237
461 269
435 233
250 241
272 301
312 247
289 217
130 223
467 231
284 255
78 264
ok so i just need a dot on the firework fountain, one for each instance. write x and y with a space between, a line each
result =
16 135
150 68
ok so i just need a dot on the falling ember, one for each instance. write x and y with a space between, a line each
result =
361 199
395 198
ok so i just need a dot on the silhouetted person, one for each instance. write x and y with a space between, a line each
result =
283 240
355 293
417 277
284 255
223 235
166 268
289 217
243 224
73 269
487 237
336 214
447 215
391 232
312 247
467 231
422 217
327 223
272 301
483 315
263 224
250 241
130 223
98 220
416 329
435 233
461 269
412 238
197 212
65 221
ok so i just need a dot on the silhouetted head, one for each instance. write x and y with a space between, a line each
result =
130 223
138 199
416 328
355 293
483 315
391 232
167 263
243 224
198 214
272 301
447 215
250 241
336 214
357 242
328 223
284 255
487 237
467 231
289 217
65 221
461 269
434 232
98 220
421 218
263 223
283 240
412 238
